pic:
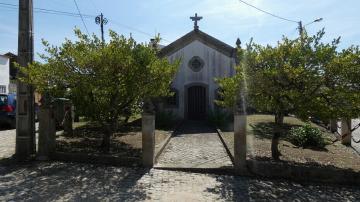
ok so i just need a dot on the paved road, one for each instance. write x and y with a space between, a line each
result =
56 181
195 145
82 182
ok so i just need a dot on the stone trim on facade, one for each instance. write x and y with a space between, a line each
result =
202 37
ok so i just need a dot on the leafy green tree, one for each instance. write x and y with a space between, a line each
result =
288 78
105 81
341 91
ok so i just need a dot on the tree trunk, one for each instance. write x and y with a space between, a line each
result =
105 145
108 131
279 120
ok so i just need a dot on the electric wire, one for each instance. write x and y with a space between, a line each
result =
70 14
276 16
82 19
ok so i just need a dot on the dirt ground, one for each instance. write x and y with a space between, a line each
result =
127 141
259 143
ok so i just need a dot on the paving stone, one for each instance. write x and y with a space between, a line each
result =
195 145
57 181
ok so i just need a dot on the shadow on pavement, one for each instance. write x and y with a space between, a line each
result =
51 181
236 188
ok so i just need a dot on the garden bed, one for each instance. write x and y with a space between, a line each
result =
125 143
259 133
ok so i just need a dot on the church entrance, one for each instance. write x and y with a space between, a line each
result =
196 103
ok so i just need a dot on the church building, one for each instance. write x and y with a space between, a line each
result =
203 58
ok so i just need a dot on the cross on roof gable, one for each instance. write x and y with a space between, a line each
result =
196 18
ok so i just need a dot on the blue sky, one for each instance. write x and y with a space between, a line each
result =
223 19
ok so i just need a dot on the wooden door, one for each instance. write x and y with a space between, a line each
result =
196 103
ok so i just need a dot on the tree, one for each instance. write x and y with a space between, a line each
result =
104 80
284 79
341 91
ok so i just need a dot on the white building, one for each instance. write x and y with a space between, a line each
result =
203 58
4 74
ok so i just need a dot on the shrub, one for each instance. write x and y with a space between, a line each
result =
165 120
219 118
305 136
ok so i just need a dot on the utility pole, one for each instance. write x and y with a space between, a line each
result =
25 114
100 20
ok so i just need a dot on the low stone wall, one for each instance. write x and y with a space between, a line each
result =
298 172
303 173
97 159
160 149
225 145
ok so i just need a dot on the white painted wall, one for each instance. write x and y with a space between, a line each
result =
216 65
4 72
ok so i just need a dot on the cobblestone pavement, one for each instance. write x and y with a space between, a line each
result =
7 142
55 181
195 145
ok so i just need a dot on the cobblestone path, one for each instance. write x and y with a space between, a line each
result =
55 181
194 145
8 139
7 143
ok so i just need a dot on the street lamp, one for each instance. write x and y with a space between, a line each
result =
301 27
100 20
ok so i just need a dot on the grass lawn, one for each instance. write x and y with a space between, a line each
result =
259 133
126 142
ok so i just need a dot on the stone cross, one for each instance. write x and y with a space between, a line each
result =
196 18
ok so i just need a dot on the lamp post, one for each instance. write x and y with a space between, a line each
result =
301 27
100 20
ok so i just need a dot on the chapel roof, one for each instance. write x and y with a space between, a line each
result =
204 38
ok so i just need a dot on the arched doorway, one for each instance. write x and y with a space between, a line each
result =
197 100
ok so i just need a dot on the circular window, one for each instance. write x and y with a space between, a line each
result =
196 63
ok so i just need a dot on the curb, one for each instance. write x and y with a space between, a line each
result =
220 171
225 145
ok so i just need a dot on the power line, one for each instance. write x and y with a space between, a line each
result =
82 19
48 11
276 16
70 14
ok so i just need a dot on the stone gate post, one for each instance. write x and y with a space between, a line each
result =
47 132
148 135
240 142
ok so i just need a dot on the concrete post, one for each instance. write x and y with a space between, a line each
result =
240 142
148 139
25 113
346 131
47 133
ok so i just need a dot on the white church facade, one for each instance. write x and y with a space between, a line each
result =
203 58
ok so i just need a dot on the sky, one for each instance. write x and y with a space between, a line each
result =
225 20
